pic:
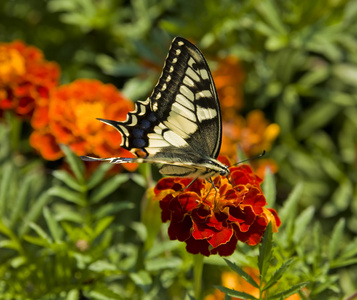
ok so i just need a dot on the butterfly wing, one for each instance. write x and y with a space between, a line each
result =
180 123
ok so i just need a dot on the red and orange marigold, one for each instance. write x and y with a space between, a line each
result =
70 119
26 78
212 220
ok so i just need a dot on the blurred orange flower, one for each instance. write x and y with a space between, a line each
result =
26 78
228 78
234 281
70 119
253 134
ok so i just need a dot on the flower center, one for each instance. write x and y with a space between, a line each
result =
86 114
12 64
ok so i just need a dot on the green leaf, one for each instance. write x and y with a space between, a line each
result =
242 273
288 211
234 293
35 211
108 187
142 279
302 222
336 239
98 175
294 289
265 252
52 224
162 263
162 247
278 274
102 225
68 195
66 178
112 208
316 117
102 292
350 250
6 179
41 233
9 244
269 187
76 164
20 201
343 263
73 295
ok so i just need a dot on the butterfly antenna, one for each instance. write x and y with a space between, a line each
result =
250 158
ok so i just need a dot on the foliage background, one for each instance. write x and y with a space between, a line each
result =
299 59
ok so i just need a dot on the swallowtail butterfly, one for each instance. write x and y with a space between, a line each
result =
179 125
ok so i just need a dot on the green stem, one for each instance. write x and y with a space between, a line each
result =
197 273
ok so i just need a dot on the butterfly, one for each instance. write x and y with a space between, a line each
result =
179 125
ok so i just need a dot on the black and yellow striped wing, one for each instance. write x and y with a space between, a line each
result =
179 125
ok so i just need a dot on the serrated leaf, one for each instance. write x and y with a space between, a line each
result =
67 179
68 195
234 293
294 289
75 163
278 274
265 251
52 224
269 187
108 187
242 273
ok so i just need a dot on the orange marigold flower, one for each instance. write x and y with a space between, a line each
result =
228 78
253 134
70 119
212 221
26 78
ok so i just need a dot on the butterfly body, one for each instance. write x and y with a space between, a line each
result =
179 125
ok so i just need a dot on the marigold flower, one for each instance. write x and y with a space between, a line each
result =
70 119
26 78
212 220
228 78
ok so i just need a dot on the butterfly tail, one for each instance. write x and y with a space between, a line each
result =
114 160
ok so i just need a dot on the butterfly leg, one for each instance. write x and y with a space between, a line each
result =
191 183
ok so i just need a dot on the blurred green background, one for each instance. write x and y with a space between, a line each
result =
299 60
